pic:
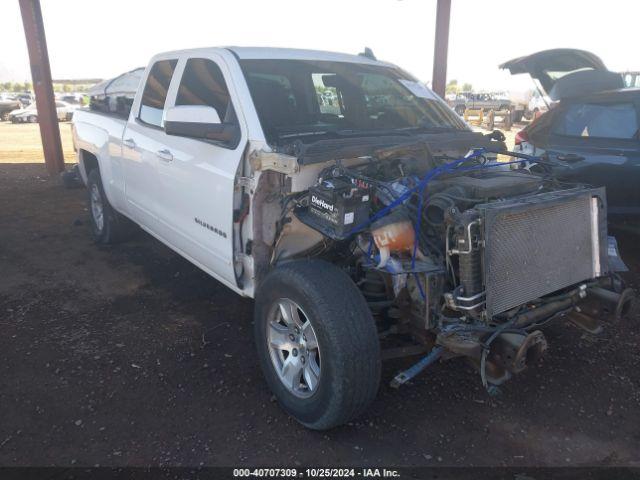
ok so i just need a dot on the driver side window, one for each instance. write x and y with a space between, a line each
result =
203 84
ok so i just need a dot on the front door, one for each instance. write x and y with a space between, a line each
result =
197 177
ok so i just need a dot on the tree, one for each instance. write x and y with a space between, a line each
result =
7 86
22 87
452 86
467 87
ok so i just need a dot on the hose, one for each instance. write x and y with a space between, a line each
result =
454 166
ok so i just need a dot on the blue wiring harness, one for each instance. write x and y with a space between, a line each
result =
420 188
451 167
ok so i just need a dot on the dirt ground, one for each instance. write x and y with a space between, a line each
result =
20 142
128 355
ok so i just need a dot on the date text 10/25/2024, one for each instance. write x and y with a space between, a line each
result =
316 473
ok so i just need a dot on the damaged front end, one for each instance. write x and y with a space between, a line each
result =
465 256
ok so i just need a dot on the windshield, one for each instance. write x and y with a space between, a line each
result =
309 100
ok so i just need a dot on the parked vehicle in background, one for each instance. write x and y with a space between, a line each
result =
26 98
592 136
8 103
477 101
72 98
631 79
64 113
115 95
537 105
519 104
319 209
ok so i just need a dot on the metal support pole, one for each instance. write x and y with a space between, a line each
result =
439 79
42 85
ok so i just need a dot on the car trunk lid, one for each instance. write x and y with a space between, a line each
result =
565 72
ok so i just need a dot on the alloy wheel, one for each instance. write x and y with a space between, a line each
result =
293 348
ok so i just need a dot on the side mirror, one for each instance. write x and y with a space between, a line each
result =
200 121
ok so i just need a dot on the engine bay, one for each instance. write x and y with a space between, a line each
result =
454 252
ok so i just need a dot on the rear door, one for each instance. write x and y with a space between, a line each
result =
597 143
143 141
196 178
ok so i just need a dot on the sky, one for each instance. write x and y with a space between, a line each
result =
101 39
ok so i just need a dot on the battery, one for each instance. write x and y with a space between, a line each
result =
337 205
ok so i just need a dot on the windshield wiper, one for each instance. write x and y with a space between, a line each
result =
303 134
354 133
370 133
433 129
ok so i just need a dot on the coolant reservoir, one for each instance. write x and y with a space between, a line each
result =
393 233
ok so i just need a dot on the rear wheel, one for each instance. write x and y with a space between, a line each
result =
33 119
317 343
107 225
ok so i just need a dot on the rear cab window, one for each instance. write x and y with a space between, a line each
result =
598 120
155 92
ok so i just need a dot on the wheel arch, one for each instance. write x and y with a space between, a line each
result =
87 162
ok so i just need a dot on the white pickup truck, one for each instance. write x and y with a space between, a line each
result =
356 208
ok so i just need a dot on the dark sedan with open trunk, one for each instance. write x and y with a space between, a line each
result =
592 133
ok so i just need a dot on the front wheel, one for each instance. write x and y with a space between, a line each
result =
33 119
317 343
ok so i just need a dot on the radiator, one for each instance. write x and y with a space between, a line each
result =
540 244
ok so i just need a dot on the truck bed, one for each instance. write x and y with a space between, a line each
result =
97 133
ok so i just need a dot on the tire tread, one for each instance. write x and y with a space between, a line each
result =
351 328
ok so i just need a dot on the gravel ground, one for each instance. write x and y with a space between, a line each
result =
129 355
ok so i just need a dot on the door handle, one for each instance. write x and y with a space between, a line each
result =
165 155
129 142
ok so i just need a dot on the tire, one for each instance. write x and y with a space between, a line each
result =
460 110
32 119
517 116
331 308
109 227
5 116
71 178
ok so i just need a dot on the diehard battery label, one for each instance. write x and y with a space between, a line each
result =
324 209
